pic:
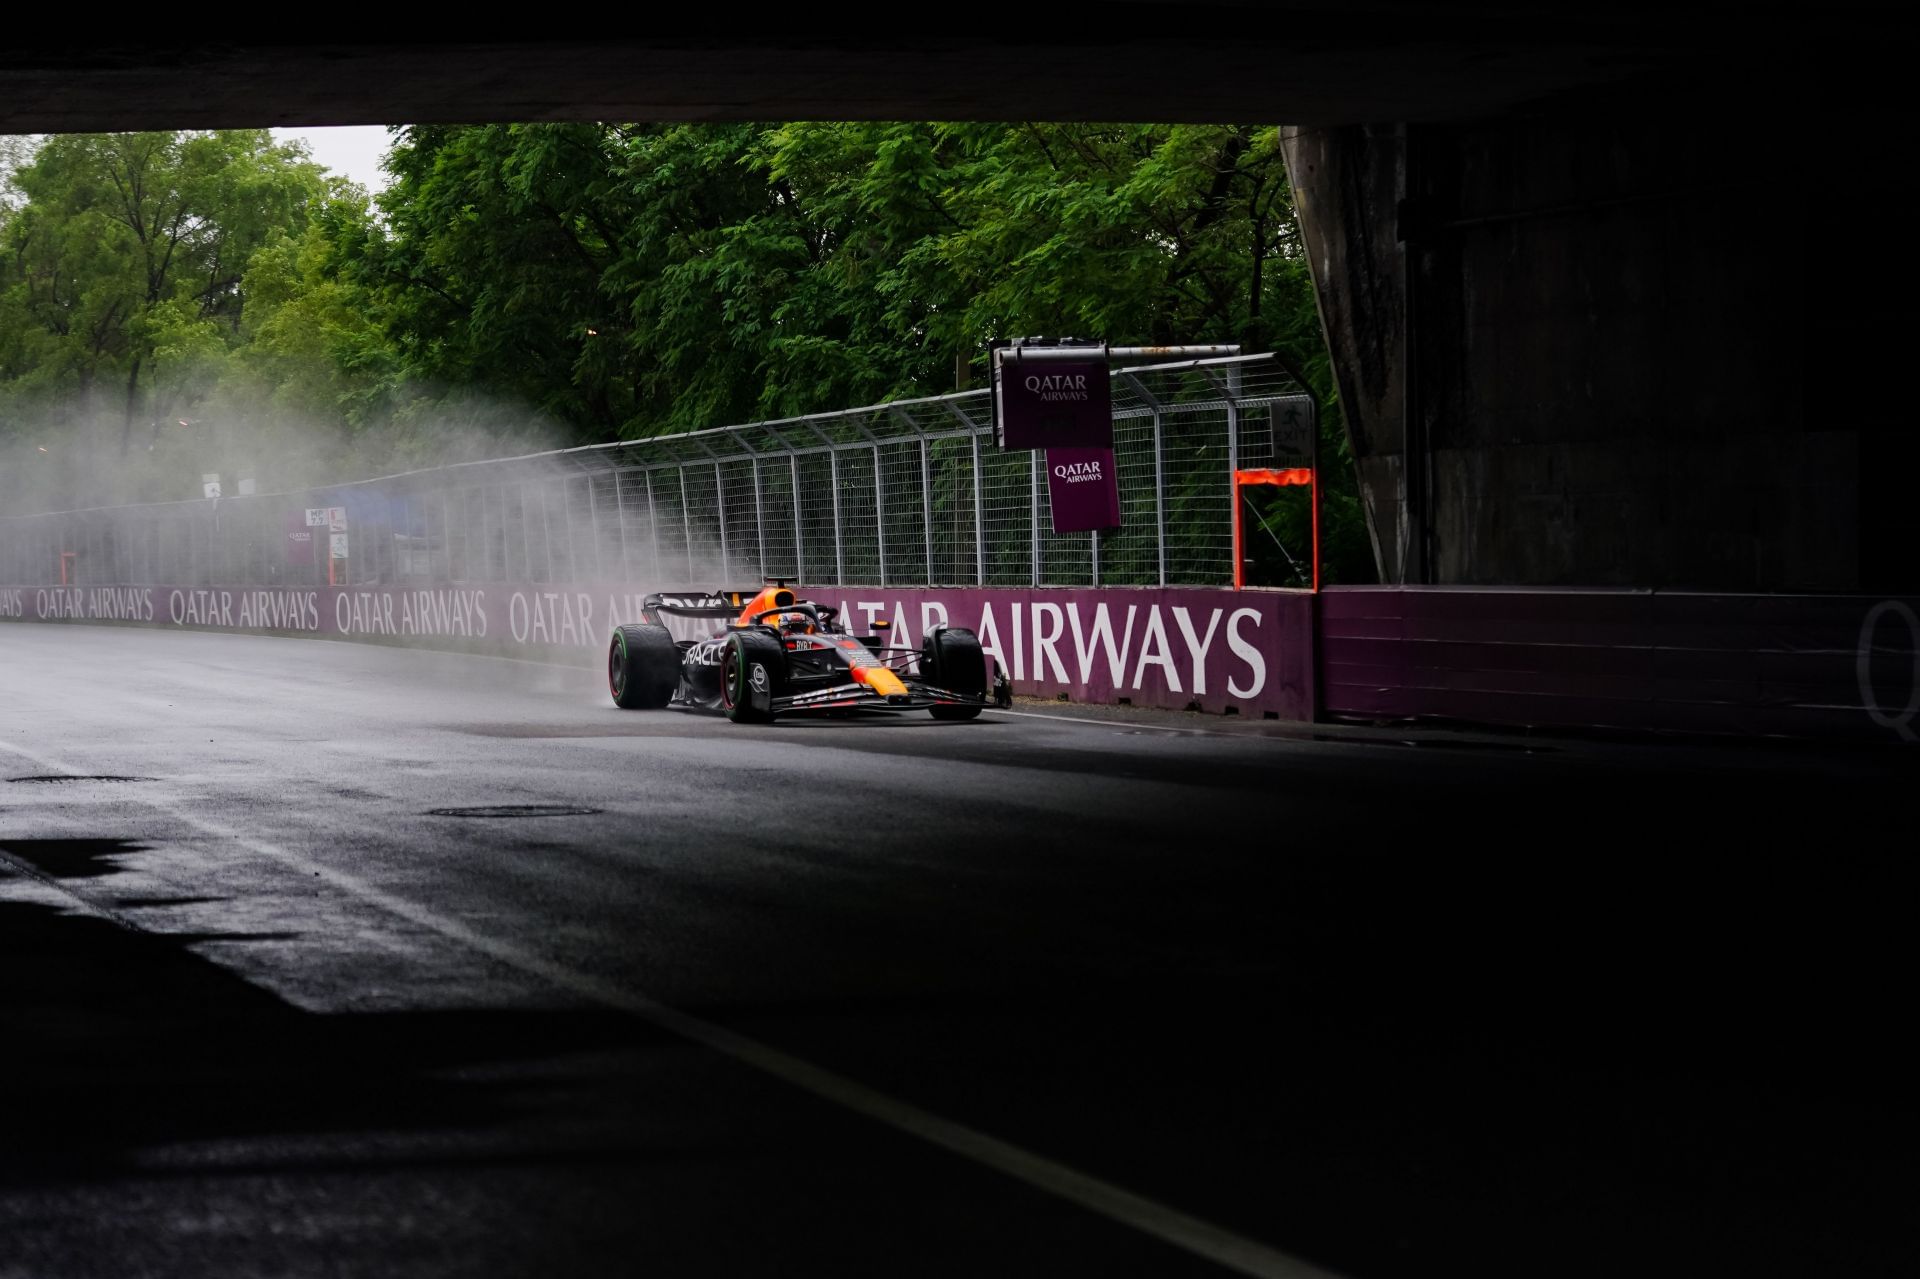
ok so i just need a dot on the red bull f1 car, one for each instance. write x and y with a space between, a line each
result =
758 655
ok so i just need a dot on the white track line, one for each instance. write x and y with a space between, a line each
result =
1128 725
592 667
1191 1234
28 870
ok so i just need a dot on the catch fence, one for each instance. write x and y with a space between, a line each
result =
913 492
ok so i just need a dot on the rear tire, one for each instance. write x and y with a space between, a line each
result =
643 667
952 659
746 651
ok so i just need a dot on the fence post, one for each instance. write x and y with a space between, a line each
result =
653 530
526 544
593 525
759 517
926 506
620 517
1033 507
720 504
839 555
979 517
1233 471
546 529
686 523
880 514
799 533
497 513
486 542
1160 495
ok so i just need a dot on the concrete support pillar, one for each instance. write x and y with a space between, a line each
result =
1566 353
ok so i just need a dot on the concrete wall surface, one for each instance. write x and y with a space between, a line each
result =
1803 666
1573 347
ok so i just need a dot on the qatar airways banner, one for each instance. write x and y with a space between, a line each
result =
1083 490
531 616
1249 651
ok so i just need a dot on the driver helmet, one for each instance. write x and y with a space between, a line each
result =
795 624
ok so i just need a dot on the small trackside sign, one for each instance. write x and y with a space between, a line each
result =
1082 490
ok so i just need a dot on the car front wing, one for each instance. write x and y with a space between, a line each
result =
919 696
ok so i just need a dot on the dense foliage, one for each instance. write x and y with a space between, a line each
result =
177 302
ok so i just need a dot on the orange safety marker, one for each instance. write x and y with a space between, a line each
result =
1286 477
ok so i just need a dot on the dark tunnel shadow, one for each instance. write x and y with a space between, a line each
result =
1664 1019
1661 1019
118 1041
73 858
528 1143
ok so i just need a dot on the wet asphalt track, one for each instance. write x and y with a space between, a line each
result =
1018 997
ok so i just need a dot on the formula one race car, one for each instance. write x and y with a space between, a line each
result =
775 654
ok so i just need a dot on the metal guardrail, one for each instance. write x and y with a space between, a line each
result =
912 492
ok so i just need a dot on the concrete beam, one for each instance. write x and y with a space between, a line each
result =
1232 62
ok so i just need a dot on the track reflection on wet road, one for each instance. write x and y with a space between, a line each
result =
322 957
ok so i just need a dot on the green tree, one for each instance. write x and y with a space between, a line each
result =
617 281
126 255
489 272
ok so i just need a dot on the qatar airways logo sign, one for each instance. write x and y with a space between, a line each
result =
1058 404
1057 386
1082 490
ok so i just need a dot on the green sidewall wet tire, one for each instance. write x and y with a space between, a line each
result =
953 659
643 667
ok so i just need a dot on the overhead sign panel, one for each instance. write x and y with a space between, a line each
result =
1053 403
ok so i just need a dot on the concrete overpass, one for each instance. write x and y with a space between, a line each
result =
1573 267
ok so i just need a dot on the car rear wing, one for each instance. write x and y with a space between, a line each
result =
716 604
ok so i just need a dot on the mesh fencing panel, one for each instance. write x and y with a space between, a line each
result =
911 493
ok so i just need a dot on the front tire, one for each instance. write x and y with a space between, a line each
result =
952 659
752 656
643 667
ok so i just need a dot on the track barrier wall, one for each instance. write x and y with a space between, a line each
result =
1210 649
1832 667
1812 667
